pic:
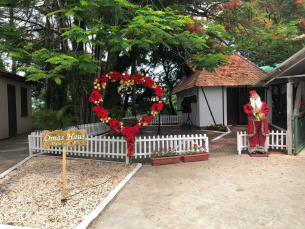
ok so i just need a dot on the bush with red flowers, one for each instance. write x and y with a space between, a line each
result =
125 80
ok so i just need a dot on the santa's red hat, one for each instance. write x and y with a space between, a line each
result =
252 92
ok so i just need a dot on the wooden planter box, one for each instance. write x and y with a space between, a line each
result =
165 160
195 157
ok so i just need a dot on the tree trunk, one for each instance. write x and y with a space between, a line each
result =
133 71
48 68
86 110
64 91
81 114
125 105
173 112
11 12
75 102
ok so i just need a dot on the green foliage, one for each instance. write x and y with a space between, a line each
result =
53 119
262 31
137 27
193 150
219 127
117 113
164 152
67 50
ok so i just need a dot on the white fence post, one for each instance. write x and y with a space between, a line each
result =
30 145
206 143
238 144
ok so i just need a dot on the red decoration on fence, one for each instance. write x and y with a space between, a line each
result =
125 80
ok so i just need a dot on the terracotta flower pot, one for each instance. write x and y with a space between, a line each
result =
165 160
195 157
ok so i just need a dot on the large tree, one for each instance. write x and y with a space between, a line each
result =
65 44
65 50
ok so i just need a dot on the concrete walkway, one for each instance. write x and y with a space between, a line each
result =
12 151
224 192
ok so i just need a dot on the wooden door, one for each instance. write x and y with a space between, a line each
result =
243 100
12 113
232 106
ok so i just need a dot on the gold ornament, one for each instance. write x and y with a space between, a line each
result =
128 84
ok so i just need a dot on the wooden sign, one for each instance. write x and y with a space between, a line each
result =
59 138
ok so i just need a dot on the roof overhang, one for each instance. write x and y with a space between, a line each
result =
16 77
291 70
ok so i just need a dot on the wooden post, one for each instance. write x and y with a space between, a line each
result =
289 117
64 172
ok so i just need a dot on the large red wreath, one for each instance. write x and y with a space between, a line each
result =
125 80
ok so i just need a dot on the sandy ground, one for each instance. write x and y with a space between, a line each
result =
224 192
31 195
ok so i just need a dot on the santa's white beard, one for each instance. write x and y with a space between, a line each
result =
257 101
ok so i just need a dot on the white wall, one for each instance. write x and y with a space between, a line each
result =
24 124
201 115
217 99
194 116
218 104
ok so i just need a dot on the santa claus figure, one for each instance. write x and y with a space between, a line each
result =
257 123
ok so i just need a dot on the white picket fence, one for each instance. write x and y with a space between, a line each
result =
164 119
276 140
106 147
93 128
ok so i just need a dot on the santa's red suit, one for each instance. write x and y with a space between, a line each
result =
257 129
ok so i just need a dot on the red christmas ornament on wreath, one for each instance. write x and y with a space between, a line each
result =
125 80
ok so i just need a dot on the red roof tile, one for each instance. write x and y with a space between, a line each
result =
239 72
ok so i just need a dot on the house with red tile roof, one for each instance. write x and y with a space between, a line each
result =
219 97
15 103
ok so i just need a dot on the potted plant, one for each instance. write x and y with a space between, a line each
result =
195 154
164 156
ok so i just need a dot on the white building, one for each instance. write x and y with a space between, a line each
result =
219 97
15 105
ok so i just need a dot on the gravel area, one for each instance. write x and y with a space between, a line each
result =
31 195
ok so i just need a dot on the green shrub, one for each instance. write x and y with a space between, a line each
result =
219 127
